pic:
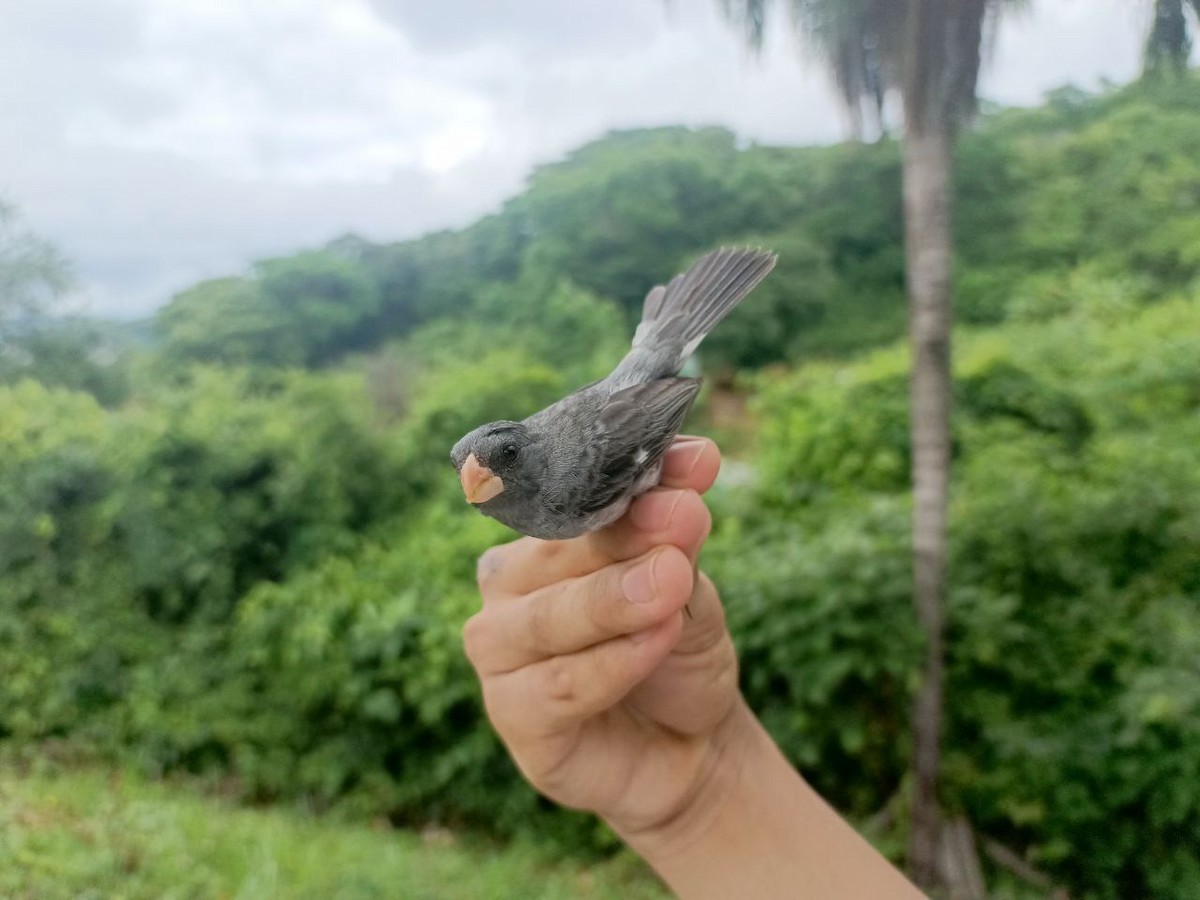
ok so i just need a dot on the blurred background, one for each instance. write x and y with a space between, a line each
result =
261 264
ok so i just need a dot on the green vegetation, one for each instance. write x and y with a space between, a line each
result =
232 546
73 835
1074 717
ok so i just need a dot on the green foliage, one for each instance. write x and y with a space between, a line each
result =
1073 719
629 206
53 484
225 319
243 477
73 353
437 276
119 531
302 310
820 608
363 692
823 431
1145 219
565 328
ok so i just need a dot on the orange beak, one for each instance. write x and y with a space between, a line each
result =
479 483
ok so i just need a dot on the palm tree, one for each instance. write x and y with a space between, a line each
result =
929 52
1169 43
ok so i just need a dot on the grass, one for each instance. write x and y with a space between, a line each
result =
91 834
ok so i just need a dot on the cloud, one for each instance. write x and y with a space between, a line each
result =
303 92
547 28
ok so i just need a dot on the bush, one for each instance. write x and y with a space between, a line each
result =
821 612
121 529
1072 717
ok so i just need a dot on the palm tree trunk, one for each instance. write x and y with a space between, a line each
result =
928 248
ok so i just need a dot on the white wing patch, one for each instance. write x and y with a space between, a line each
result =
641 456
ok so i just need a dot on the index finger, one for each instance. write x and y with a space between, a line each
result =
691 465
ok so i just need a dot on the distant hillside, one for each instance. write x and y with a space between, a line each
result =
1083 180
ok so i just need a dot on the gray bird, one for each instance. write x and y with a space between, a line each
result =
575 466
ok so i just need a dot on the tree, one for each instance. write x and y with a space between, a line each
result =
929 52
1169 43
33 273
302 310
322 301
627 208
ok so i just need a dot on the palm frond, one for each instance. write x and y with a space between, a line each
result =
750 16
927 50
1169 43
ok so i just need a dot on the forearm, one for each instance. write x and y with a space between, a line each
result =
756 829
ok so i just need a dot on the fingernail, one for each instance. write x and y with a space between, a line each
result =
681 459
639 584
653 511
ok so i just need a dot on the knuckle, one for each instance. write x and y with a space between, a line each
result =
489 564
598 598
561 687
541 626
547 550
476 636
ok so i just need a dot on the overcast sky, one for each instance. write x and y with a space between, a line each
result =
159 142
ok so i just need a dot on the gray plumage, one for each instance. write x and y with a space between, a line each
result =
575 466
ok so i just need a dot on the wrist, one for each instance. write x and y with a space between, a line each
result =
729 751
754 828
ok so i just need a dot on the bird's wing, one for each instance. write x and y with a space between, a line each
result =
634 429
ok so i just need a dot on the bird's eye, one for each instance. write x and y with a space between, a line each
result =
508 453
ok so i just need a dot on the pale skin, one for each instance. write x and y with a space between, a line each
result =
612 699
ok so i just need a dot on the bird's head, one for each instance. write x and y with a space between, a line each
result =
498 464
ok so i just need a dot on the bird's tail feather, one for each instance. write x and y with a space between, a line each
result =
686 310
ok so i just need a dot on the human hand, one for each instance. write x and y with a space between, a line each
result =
631 709
607 695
